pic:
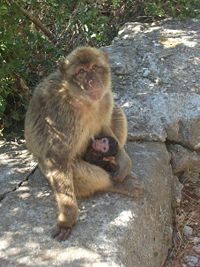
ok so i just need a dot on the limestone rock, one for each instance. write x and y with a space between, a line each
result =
184 159
15 163
112 230
158 86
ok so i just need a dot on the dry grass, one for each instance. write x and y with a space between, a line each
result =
188 213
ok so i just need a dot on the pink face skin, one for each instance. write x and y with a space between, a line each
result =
101 145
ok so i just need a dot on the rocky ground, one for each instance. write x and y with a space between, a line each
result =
156 79
185 251
112 230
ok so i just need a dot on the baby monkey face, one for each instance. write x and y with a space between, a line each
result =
101 145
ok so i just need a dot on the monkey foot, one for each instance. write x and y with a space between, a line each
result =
117 178
60 233
129 187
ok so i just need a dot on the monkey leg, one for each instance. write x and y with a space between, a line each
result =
119 125
130 187
61 180
89 178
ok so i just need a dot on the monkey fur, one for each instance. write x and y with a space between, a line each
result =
68 108
103 159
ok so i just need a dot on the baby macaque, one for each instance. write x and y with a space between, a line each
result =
101 152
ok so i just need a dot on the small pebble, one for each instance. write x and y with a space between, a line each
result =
146 72
187 230
191 261
197 248
195 240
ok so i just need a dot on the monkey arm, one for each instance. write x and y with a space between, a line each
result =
122 159
119 125
89 178
58 170
118 129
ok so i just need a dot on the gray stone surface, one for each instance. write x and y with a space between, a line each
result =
197 248
191 261
15 163
187 230
112 230
157 80
162 57
183 159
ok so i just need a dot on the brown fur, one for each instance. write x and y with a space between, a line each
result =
60 122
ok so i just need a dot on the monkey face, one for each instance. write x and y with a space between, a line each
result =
89 78
88 72
101 145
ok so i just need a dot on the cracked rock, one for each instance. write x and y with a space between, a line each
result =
16 162
184 159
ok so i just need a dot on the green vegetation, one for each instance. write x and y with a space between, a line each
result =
34 34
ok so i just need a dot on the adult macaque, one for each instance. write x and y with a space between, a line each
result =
69 108
101 152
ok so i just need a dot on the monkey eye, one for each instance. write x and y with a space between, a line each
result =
104 140
95 67
81 70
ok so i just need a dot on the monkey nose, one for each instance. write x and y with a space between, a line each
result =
90 82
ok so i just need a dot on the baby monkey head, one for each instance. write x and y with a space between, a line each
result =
87 72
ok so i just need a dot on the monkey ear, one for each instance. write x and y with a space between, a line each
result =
105 54
63 64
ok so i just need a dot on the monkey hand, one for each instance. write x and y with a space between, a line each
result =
109 158
66 220
124 164
61 233
120 174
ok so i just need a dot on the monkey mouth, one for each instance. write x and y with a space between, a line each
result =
90 83
95 94
94 91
